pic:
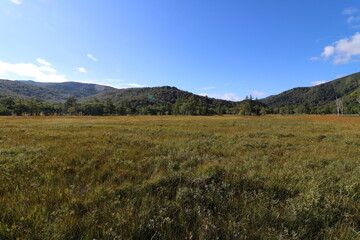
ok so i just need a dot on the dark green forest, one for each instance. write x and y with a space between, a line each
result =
192 106
320 95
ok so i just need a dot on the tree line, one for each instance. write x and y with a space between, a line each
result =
189 106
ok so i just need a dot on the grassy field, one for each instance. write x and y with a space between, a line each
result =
225 177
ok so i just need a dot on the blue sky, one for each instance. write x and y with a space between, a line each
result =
225 49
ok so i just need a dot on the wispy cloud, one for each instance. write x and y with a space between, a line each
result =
47 69
90 56
135 85
121 83
225 96
17 2
207 88
340 76
47 66
353 19
343 50
315 58
81 69
43 61
114 80
32 71
315 83
349 11
258 94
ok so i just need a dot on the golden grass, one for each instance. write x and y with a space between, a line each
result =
180 177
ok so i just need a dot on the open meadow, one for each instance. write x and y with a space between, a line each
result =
149 177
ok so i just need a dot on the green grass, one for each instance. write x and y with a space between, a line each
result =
180 177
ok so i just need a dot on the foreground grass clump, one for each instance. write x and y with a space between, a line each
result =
179 178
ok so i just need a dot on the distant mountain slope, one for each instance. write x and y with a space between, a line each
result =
317 95
84 92
153 95
24 91
347 87
5 93
76 89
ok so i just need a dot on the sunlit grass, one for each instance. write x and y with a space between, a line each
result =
174 177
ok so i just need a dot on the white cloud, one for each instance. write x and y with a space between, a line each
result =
225 96
340 76
135 85
90 56
114 80
321 82
315 58
315 83
230 97
17 2
47 69
43 61
349 11
81 69
120 83
258 94
31 71
343 50
328 51
207 88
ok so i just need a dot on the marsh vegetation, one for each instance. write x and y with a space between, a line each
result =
143 177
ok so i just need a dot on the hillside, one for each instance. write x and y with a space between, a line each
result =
85 92
317 95
49 92
20 90
321 96
76 98
76 89
154 96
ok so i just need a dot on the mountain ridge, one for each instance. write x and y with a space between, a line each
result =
321 95
88 92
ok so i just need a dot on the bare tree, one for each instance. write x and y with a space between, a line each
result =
340 106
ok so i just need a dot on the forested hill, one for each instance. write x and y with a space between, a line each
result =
86 92
76 89
155 96
20 90
73 98
319 95
34 98
49 92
